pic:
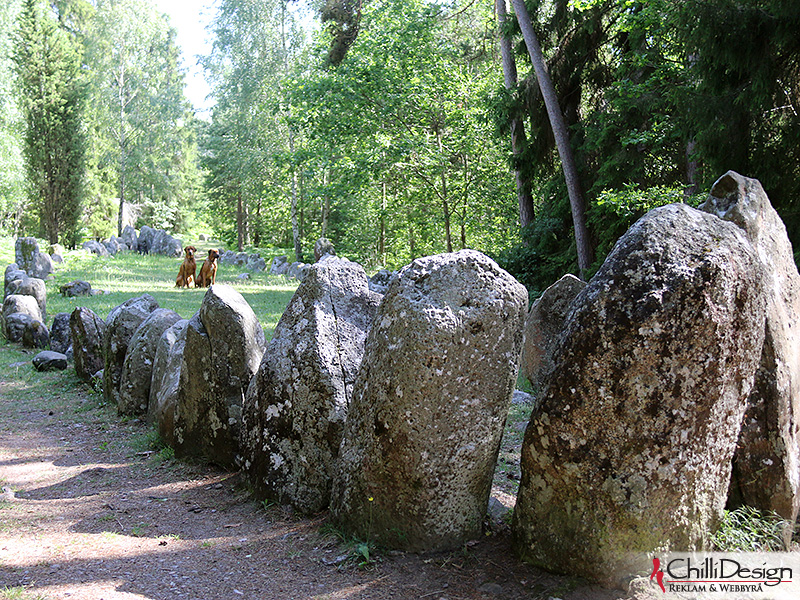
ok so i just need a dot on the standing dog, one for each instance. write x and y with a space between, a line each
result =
188 269
208 272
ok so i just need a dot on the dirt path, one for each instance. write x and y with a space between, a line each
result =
90 511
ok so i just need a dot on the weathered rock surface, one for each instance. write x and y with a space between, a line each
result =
14 325
380 281
129 237
121 323
60 333
766 466
429 404
30 259
88 333
631 448
76 288
18 303
12 273
145 239
30 286
49 361
543 326
166 380
35 335
323 247
296 404
166 245
224 346
137 369
96 247
279 265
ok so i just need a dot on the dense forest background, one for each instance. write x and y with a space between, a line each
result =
396 128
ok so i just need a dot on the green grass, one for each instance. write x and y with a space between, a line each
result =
129 274
746 529
17 593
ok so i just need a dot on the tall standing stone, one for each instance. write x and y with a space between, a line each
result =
166 380
224 346
631 449
429 404
88 333
296 405
60 334
137 369
766 466
121 324
30 286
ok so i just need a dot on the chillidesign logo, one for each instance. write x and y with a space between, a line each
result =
658 574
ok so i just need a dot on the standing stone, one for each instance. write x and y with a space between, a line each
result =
12 273
129 237
17 303
60 335
88 332
49 361
766 465
14 325
296 404
543 326
631 449
224 345
323 247
121 324
145 239
35 335
166 245
30 259
76 288
166 381
30 286
96 247
279 265
429 404
137 369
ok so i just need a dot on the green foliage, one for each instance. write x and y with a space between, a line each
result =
52 99
746 529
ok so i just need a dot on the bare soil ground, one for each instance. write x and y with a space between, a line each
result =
93 510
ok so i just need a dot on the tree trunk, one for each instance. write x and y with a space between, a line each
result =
239 221
561 134
382 240
445 203
691 170
518 138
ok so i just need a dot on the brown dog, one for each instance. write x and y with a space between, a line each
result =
188 269
208 272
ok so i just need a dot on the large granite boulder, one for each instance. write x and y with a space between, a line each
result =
112 245
323 247
429 404
166 380
30 259
88 333
96 247
766 465
296 404
543 326
18 303
279 265
121 323
224 346
12 273
166 245
14 325
49 361
631 448
60 334
129 237
30 286
380 281
35 335
145 239
76 288
137 369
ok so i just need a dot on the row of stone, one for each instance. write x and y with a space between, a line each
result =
148 241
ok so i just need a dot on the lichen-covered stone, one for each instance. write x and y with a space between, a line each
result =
137 369
631 449
224 346
166 381
18 303
12 273
49 361
429 404
30 286
14 325
60 334
30 259
766 466
121 324
35 335
296 405
88 333
543 327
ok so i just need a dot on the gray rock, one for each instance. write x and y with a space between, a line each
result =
145 239
12 273
243 276
87 331
543 326
14 325
521 397
631 449
60 333
112 245
56 249
30 286
35 335
137 369
256 263
296 404
166 379
18 303
76 288
56 259
49 361
322 247
380 281
30 259
279 265
294 270
166 245
429 404
129 237
96 247
224 345
766 466
202 237
121 323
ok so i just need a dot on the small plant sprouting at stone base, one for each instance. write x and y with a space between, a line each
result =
747 529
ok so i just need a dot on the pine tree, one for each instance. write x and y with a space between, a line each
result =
52 99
